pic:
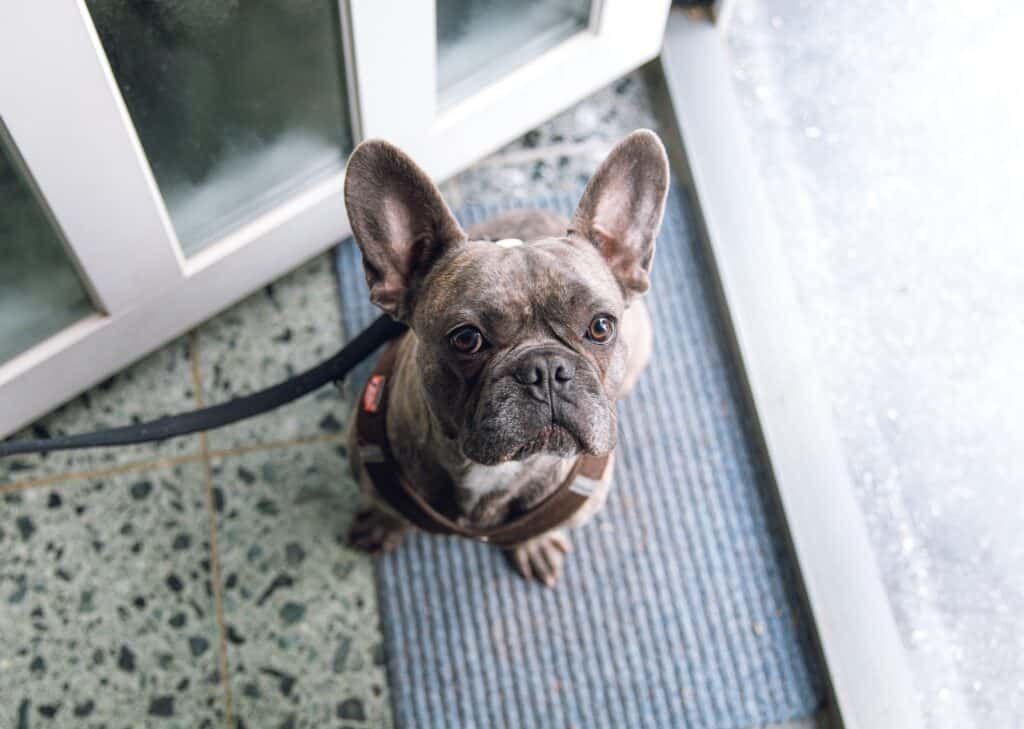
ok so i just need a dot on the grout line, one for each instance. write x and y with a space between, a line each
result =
218 586
98 472
211 523
279 444
167 461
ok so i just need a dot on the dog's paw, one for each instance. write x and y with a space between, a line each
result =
375 531
541 558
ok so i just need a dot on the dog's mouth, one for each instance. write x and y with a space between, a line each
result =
552 438
508 426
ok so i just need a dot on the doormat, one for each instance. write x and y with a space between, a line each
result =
679 605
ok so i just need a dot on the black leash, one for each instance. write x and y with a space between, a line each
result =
215 416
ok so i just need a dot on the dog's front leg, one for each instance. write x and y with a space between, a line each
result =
375 530
541 558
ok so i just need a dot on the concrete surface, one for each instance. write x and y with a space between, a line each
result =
889 137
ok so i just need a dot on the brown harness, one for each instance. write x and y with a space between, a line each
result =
392 487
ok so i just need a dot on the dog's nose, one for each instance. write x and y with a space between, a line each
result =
545 369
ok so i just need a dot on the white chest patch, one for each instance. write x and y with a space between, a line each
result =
482 480
509 242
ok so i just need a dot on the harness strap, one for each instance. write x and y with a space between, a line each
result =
385 473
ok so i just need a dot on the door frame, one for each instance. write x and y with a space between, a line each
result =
622 35
95 180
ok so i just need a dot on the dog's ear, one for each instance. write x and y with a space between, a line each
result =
621 209
400 222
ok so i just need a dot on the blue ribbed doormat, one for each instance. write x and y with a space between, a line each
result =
678 607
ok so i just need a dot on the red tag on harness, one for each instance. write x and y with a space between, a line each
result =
373 392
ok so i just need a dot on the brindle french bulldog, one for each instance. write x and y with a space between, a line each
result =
517 351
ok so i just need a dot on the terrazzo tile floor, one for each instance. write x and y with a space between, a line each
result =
202 582
205 581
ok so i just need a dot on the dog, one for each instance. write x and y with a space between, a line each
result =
524 331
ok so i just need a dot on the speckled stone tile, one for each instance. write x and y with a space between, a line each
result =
106 608
282 329
561 154
604 117
160 384
304 641
518 176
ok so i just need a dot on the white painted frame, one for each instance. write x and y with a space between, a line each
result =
444 138
69 124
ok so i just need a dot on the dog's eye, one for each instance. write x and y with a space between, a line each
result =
601 329
466 340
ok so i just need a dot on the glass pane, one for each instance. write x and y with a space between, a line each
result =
237 104
478 40
40 292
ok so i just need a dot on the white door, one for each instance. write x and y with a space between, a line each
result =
160 161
